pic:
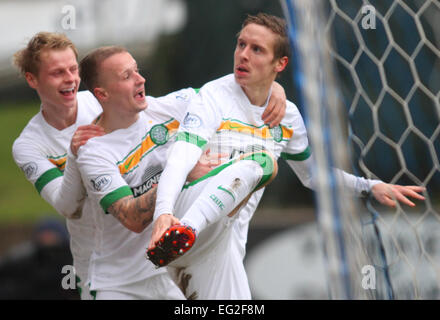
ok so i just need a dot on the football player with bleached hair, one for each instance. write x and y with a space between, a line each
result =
119 170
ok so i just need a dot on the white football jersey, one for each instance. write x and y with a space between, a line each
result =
127 162
222 118
41 152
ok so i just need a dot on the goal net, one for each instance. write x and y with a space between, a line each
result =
369 77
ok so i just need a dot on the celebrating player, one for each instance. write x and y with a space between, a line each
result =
119 169
49 65
226 116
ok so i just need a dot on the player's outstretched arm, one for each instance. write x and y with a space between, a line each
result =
276 107
385 193
388 194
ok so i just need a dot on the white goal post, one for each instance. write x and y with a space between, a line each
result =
369 77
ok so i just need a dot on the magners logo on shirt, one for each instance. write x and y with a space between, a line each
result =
147 185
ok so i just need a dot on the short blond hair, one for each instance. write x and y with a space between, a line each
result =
28 59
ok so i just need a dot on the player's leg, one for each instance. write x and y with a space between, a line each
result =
228 187
231 188
217 273
268 164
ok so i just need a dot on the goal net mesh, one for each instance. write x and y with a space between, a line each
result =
369 74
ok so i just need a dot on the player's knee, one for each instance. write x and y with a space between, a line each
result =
267 163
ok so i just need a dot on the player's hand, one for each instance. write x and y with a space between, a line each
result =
83 134
276 107
206 163
160 226
388 194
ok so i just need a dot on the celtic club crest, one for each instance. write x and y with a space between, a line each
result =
159 134
277 133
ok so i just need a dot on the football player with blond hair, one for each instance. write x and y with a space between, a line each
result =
49 65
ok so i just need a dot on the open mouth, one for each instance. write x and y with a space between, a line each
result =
140 95
68 92
242 70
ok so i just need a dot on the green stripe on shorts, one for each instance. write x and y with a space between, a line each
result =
297 157
263 159
210 174
114 196
191 138
266 163
47 177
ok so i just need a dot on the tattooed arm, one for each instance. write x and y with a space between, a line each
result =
135 213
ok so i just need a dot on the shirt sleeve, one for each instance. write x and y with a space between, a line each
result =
175 103
302 165
297 149
299 157
183 158
202 119
304 171
200 122
101 176
62 190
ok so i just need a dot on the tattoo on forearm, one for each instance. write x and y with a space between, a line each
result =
146 203
135 210
119 209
